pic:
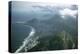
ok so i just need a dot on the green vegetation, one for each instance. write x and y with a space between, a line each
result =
59 41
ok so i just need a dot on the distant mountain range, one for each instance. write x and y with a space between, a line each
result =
53 25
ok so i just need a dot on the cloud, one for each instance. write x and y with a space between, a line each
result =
68 12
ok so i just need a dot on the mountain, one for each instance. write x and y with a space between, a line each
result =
52 31
59 41
53 25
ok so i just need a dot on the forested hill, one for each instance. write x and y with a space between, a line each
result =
59 41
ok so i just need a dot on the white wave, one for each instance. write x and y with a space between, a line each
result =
27 40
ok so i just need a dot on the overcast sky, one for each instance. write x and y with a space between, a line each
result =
43 8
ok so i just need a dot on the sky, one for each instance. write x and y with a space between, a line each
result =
41 9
